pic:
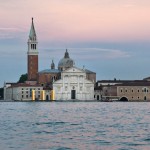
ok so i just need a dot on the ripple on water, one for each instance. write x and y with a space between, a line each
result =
49 124
61 148
77 126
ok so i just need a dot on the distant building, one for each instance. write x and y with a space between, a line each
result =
78 84
73 85
21 91
70 82
123 90
46 77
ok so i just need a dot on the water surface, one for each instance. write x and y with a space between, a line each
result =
74 126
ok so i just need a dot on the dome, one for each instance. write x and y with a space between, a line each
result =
65 62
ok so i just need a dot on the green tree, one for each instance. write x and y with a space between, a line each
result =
23 78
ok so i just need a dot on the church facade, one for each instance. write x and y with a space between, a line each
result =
74 85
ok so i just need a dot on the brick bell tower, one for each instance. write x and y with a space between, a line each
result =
32 55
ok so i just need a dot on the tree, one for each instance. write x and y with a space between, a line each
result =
1 93
23 78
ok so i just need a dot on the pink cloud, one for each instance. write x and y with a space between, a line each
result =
80 20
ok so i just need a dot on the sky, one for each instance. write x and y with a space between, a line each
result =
109 37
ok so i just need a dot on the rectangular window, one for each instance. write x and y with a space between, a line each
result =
30 92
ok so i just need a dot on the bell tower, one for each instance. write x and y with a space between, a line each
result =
32 54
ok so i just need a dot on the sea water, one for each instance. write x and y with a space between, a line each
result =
74 126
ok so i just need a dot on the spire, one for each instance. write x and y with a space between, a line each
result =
32 41
32 35
66 54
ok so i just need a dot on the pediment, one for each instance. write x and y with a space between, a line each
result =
75 70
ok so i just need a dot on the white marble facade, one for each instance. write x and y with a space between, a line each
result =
73 85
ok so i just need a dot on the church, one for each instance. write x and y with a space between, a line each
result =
67 82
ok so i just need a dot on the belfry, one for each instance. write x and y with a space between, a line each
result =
32 54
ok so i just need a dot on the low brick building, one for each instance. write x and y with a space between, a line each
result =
123 90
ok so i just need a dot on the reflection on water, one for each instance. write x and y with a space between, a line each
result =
74 125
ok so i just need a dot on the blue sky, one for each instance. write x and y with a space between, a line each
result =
110 37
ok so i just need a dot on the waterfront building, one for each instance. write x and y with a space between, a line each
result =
122 90
73 85
45 84
22 91
46 77
68 82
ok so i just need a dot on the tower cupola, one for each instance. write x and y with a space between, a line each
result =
52 65
66 54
